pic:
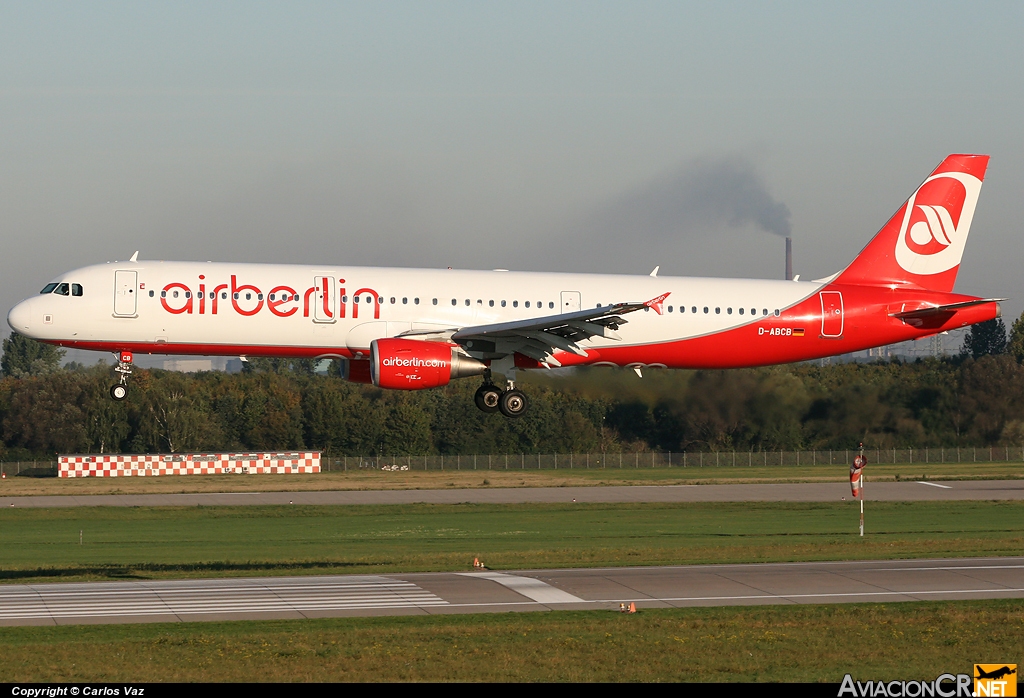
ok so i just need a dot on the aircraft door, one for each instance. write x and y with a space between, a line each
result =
570 301
325 299
126 293
831 314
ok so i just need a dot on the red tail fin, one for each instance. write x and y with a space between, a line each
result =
922 244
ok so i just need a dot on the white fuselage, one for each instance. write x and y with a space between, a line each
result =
227 309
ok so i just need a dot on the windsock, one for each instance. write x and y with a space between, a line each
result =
857 475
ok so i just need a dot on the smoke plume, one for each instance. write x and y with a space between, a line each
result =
699 197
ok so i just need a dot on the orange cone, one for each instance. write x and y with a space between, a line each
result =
632 607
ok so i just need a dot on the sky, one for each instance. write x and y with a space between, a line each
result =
589 136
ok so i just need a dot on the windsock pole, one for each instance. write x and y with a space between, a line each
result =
863 462
857 482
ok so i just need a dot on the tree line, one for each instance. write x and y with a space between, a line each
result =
974 399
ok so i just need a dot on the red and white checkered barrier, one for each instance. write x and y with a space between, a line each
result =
126 465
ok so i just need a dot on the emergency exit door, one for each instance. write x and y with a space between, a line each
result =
325 300
831 314
125 293
570 301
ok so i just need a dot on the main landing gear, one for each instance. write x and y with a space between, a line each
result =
511 402
124 367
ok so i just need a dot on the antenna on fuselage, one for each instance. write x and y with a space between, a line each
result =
135 257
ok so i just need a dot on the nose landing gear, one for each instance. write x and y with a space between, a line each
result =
124 367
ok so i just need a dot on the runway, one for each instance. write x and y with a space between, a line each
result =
497 592
782 492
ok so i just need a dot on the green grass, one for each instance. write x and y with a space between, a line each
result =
40 544
910 641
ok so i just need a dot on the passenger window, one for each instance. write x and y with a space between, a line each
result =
392 300
224 295
705 310
728 311
741 311
415 301
776 312
380 299
435 301
248 296
753 311
490 303
344 299
765 311
188 294
76 289
163 294
405 301
175 294
670 309
515 304
271 296
355 299
718 311
235 296
503 304
48 288
551 304
454 302
527 304
151 294
467 301
694 309
259 296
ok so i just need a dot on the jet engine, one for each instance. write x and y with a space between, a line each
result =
411 364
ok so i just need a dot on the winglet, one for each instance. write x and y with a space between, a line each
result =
656 303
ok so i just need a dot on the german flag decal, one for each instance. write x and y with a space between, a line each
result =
798 331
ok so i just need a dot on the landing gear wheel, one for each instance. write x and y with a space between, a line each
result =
487 397
119 392
513 403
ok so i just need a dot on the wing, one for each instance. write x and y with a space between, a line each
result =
539 337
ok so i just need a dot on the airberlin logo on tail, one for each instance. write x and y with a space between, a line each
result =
936 222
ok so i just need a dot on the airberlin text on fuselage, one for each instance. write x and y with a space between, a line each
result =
248 300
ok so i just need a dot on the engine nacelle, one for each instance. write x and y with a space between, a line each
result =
412 364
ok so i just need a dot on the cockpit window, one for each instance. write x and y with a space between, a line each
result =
63 290
76 289
48 288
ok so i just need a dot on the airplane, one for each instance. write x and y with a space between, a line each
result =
414 329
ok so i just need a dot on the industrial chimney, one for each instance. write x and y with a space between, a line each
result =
789 259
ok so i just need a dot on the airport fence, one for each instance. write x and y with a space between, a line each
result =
686 459
637 460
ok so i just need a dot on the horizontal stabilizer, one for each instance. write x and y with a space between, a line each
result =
949 308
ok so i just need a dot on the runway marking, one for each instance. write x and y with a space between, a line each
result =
641 599
945 487
189 599
528 586
964 567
